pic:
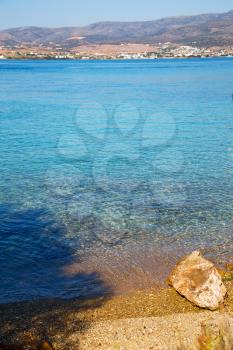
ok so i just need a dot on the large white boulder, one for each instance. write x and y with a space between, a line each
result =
199 281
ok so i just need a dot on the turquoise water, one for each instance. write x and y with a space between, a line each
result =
112 166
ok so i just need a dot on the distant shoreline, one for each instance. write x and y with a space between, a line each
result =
112 59
116 52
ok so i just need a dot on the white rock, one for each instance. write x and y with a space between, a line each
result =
199 281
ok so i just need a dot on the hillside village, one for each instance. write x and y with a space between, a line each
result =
114 52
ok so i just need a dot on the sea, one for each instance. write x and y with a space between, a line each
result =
110 172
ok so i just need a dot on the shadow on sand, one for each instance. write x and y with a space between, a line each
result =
32 261
28 323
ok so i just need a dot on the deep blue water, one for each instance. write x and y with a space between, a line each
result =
98 157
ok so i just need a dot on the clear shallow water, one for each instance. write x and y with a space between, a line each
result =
110 171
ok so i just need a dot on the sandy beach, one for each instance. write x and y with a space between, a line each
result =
116 191
142 320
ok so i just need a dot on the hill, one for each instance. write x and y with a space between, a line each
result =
200 30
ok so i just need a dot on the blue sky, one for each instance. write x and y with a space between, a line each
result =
53 13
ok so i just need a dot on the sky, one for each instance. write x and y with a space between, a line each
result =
56 13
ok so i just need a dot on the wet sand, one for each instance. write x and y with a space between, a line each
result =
68 323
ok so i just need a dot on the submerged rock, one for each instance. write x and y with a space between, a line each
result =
42 346
45 346
6 347
226 275
199 281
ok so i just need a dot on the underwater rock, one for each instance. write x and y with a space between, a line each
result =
42 346
198 281
6 347
45 346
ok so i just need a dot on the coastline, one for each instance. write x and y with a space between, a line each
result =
70 321
66 322
112 59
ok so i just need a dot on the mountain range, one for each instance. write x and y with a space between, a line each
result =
199 30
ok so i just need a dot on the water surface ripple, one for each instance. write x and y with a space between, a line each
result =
110 171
